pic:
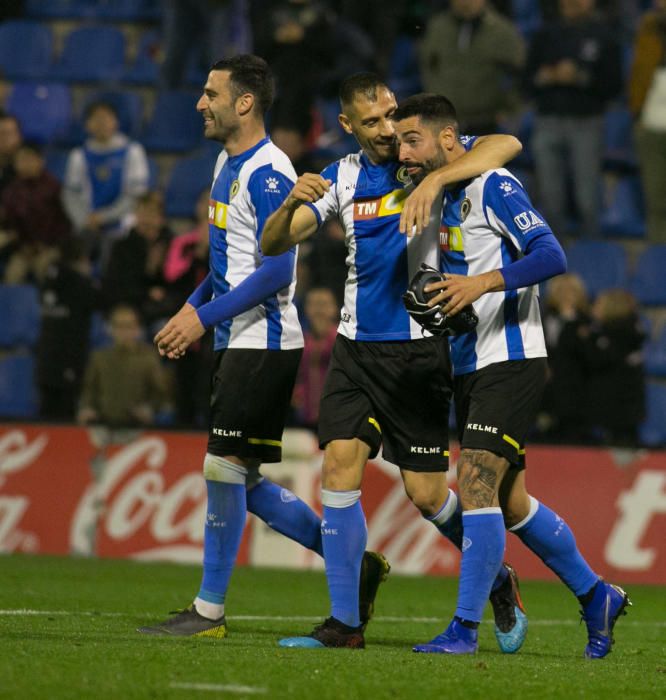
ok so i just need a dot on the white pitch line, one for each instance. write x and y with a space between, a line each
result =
309 618
217 688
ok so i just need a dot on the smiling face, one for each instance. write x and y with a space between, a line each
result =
419 147
370 123
217 106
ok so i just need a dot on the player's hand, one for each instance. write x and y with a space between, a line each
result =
416 211
308 188
457 291
180 332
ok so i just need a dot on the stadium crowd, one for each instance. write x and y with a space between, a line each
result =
107 217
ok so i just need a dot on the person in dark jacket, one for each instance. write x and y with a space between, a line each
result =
573 69
134 274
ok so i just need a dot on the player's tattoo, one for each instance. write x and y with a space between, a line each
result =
478 478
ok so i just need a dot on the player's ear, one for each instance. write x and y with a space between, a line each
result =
244 104
447 138
345 123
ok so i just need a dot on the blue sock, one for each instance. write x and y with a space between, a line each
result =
450 523
551 539
286 514
225 520
344 536
482 552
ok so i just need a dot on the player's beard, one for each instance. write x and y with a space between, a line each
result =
426 166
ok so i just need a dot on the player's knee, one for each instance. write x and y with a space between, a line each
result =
480 474
427 494
220 469
341 470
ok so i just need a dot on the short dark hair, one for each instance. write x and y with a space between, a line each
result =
250 73
365 84
430 108
33 146
100 104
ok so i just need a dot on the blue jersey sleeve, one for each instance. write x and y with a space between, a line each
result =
202 293
509 211
267 189
467 141
273 274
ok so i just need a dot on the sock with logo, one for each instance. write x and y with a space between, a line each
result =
448 520
482 552
225 520
552 540
285 513
344 536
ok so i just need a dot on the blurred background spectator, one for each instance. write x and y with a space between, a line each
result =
10 140
573 69
470 53
68 298
32 216
647 101
615 390
124 385
134 274
321 316
103 178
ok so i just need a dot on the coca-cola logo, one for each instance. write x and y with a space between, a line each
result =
132 496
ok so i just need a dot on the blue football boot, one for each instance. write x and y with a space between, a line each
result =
600 615
456 639
509 612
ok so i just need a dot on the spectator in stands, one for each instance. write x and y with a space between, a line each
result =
321 321
573 69
566 313
290 134
614 366
33 215
68 299
215 29
296 38
124 385
470 53
134 274
647 101
103 178
185 268
10 140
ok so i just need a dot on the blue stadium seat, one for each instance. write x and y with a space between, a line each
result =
153 174
92 54
526 15
618 143
99 333
653 431
60 9
649 281
145 70
601 264
188 178
622 212
18 396
403 71
56 162
19 315
44 110
26 49
175 125
128 10
655 356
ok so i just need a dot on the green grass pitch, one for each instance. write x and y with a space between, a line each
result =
67 630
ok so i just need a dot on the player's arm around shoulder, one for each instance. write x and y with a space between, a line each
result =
292 222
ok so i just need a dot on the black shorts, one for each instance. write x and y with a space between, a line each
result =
395 393
250 398
497 405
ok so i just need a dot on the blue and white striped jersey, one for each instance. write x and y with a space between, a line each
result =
368 200
247 189
486 225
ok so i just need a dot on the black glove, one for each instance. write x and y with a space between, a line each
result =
432 319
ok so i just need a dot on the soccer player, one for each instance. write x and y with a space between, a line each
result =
497 249
247 299
387 384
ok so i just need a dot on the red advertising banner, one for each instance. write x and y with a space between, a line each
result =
68 490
